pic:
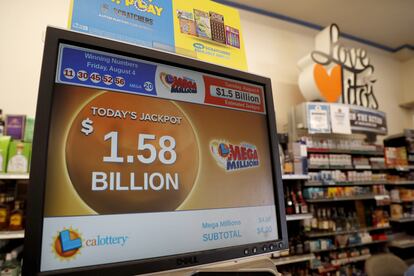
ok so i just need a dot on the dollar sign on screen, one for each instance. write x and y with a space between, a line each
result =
87 127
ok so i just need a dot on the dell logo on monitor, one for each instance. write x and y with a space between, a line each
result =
187 260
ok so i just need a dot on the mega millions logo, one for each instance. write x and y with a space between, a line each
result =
177 84
67 244
234 157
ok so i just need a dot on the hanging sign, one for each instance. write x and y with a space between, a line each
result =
200 29
334 73
142 22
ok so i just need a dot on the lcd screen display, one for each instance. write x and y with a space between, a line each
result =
148 160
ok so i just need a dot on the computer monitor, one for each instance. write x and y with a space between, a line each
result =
147 161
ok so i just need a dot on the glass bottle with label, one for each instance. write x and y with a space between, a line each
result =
314 221
288 164
334 219
325 224
303 205
9 268
296 203
16 217
289 203
4 212
1 123
18 163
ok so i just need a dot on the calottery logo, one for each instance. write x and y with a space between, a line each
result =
68 242
178 84
234 157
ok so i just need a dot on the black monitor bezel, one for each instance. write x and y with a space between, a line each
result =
34 221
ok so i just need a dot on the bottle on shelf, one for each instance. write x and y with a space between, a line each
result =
288 164
16 262
325 220
320 220
16 217
355 221
289 203
303 205
2 124
314 220
4 212
296 204
334 220
9 267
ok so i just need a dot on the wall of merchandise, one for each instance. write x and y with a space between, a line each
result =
346 200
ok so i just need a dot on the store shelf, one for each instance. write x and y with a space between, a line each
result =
361 197
345 151
401 201
293 259
402 168
331 168
354 168
336 264
298 217
350 245
401 182
334 233
345 261
14 176
8 235
343 183
402 244
402 220
295 177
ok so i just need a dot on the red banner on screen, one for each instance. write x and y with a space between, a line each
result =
233 94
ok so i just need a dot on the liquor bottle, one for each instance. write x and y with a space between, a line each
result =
349 220
314 221
289 203
303 205
329 218
355 220
296 203
16 262
325 220
307 225
288 164
334 220
1 123
320 221
4 212
16 217
9 267
341 225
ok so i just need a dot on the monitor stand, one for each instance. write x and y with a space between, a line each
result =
260 266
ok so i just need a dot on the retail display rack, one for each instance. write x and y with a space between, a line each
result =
14 186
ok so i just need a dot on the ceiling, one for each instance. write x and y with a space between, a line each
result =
385 24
